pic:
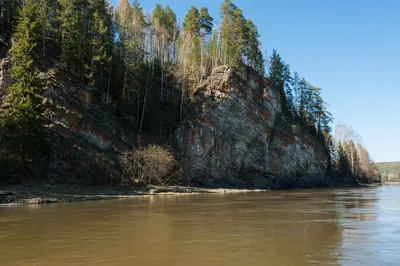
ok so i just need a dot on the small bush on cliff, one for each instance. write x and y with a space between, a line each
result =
149 165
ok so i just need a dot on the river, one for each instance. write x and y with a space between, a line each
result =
301 227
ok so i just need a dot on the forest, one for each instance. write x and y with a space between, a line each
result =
146 66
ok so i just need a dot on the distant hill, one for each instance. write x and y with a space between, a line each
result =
390 171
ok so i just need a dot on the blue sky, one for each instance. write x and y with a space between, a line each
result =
349 48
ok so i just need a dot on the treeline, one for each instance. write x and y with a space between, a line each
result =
148 63
353 161
144 64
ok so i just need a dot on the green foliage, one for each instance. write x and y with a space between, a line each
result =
20 116
390 171
279 74
23 97
205 22
72 16
191 24
232 34
149 64
101 44
87 40
197 26
9 10
252 53
343 162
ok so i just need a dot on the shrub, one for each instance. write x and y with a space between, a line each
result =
149 165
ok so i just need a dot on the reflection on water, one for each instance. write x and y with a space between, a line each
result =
321 227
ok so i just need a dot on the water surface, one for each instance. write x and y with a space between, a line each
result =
309 227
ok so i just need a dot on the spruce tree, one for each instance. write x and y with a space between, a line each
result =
253 54
72 19
21 111
9 10
101 44
25 57
343 162
280 77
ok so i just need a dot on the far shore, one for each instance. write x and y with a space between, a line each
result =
17 195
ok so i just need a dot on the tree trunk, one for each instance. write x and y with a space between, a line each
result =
144 105
218 41
201 57
109 84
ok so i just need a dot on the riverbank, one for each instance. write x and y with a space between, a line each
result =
58 194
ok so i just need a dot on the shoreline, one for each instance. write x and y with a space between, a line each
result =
19 195
41 194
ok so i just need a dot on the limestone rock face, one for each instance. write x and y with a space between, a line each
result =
238 137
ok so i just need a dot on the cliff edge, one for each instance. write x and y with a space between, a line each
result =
238 137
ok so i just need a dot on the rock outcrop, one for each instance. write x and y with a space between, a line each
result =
238 137
85 135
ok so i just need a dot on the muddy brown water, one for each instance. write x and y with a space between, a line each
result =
310 227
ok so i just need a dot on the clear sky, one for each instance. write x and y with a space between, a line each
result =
349 48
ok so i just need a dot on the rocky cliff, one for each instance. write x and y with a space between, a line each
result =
85 134
238 137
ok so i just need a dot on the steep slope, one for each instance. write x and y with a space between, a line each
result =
239 137
85 134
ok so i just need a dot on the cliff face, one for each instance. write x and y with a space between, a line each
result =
238 137
84 133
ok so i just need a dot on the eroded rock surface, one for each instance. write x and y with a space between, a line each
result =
238 137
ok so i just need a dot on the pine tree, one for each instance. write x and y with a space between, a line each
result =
232 34
189 46
196 27
253 54
191 23
205 22
205 25
164 29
